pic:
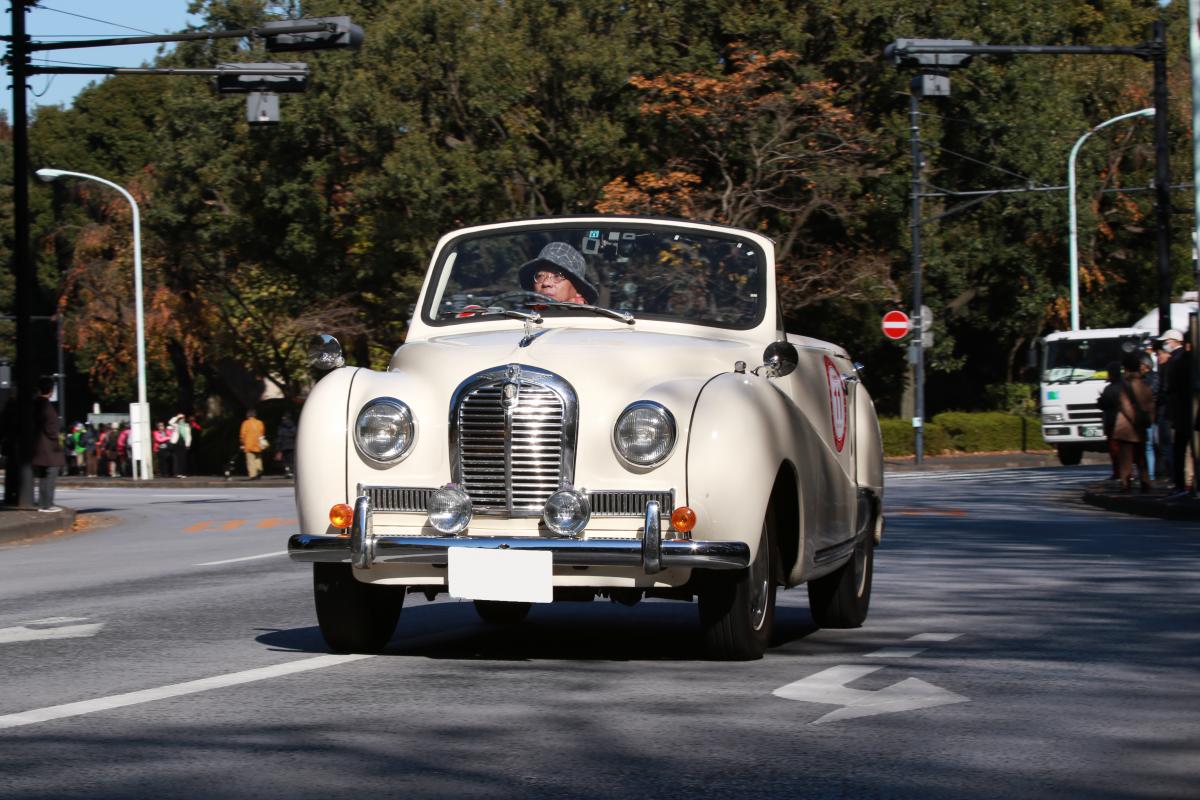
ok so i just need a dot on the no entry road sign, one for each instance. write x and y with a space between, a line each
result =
895 325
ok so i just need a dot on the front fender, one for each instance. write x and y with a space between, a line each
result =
741 433
321 450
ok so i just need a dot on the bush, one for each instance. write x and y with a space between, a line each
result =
965 432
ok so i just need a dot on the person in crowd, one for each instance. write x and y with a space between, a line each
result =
1174 370
91 451
285 444
1109 401
48 456
78 451
1150 376
181 442
123 460
1162 422
162 450
1135 409
559 273
252 436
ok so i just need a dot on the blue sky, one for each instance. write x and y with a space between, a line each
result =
54 19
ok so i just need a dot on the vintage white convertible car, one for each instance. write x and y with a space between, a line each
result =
587 407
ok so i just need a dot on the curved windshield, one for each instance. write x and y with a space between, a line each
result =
639 271
1076 360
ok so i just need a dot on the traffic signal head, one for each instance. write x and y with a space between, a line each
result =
280 36
284 76
901 52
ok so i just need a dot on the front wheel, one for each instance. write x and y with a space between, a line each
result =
501 613
737 611
1069 455
841 598
354 617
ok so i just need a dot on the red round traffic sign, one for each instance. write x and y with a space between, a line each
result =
896 325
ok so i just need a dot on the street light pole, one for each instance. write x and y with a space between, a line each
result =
139 421
1072 226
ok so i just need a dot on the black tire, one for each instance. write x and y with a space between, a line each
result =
842 598
737 610
354 617
501 613
1069 455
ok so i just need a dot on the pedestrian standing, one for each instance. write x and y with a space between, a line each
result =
1134 412
1175 371
181 442
91 450
1110 400
48 456
253 440
123 459
1150 376
285 444
162 449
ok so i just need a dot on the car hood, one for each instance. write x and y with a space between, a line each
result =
623 359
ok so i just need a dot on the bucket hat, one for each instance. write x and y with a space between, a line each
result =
560 256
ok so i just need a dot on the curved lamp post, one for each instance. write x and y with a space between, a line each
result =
1073 230
139 422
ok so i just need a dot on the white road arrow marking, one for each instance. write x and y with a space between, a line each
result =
829 687
49 628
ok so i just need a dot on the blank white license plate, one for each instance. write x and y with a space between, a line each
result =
514 576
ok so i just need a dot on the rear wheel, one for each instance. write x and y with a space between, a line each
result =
841 598
354 617
737 611
501 613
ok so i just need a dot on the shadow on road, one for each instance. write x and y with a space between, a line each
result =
598 631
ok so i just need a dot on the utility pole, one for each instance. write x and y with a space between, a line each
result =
917 345
18 476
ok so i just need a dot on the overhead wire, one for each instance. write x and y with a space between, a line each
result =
94 19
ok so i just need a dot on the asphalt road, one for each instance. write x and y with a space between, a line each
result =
1020 645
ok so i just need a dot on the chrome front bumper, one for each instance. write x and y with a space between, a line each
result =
363 547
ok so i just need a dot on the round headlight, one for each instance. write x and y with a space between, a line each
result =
450 509
644 434
385 430
567 512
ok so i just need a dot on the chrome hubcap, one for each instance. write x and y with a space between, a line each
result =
760 578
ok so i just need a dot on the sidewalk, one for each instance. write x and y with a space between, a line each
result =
1000 460
20 524
1108 495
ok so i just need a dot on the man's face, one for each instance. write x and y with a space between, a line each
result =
555 284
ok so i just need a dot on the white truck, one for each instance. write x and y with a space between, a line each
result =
1074 372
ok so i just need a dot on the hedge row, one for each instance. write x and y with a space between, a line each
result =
964 432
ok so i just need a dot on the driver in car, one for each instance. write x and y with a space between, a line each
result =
558 272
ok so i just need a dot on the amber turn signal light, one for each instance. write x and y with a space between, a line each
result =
341 516
683 519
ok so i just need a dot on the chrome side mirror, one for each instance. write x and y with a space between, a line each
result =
779 359
325 353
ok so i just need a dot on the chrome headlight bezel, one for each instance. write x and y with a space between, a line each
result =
403 444
670 432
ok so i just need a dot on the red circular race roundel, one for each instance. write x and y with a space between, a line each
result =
838 409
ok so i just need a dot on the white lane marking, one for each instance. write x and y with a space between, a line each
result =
897 652
829 687
933 637
243 558
175 690
49 628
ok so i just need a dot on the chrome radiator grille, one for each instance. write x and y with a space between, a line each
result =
513 439
398 498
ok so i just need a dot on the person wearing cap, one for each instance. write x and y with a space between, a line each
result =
559 273
1174 370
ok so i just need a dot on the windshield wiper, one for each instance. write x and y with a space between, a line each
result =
496 311
620 316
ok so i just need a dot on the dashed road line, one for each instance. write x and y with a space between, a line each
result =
65 710
274 522
199 526
231 524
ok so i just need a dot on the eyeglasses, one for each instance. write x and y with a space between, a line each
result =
550 277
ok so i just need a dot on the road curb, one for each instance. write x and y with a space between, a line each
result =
18 524
1184 509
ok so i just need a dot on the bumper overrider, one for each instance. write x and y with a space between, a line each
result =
363 548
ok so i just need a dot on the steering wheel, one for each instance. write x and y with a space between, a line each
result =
522 297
